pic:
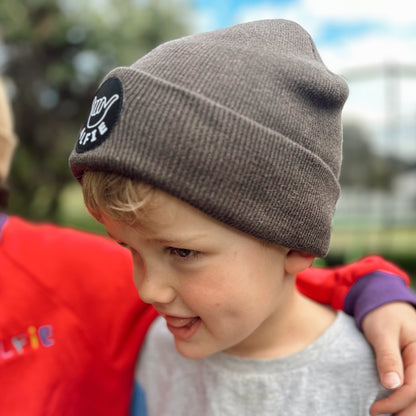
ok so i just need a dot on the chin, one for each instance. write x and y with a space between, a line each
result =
192 352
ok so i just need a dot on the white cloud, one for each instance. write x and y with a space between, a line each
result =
317 12
397 12
203 21
268 10
369 49
395 41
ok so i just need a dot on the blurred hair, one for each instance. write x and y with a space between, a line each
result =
8 139
4 196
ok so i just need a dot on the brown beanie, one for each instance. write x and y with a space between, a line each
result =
243 123
8 139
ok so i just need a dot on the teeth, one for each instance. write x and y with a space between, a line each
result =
191 323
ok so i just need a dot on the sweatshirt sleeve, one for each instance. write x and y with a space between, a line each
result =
357 288
376 289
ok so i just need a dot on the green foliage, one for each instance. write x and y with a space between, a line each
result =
55 53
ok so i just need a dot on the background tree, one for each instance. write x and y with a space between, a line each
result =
362 166
54 53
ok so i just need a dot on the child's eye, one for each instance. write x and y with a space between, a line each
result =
183 252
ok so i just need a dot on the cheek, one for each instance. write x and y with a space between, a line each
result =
206 292
138 270
248 288
220 296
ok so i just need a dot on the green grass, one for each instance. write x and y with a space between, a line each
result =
74 213
396 240
396 244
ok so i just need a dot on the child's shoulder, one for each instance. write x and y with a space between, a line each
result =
342 347
344 354
347 341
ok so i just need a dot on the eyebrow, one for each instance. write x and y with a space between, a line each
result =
177 240
172 240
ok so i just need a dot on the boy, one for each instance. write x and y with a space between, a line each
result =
215 159
39 327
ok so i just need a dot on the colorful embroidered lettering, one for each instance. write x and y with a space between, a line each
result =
33 338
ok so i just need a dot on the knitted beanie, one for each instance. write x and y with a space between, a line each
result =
243 123
8 139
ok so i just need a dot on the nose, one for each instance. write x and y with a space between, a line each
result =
154 285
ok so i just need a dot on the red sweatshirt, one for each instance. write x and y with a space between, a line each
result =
71 322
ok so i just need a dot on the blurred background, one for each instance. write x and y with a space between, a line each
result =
53 53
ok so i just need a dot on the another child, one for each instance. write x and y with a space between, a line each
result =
215 159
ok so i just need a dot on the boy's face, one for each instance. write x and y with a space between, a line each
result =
219 289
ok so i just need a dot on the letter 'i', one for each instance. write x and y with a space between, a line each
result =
34 341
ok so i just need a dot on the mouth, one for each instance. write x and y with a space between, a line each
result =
183 328
189 324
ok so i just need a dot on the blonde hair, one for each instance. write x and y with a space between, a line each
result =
8 139
125 199
122 198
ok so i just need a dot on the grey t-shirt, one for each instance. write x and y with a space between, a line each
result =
334 376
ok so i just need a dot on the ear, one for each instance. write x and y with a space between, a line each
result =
297 261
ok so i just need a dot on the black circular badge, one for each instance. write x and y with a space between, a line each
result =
104 113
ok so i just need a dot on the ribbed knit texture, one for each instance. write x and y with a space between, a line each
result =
243 123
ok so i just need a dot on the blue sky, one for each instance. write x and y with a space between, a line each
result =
349 32
350 35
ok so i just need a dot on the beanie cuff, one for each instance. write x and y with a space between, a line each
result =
168 136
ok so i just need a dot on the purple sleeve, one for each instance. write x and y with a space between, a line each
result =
373 290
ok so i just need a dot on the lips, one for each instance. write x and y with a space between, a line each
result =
183 328
179 322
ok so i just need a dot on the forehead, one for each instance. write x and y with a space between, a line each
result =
168 219
165 215
165 210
